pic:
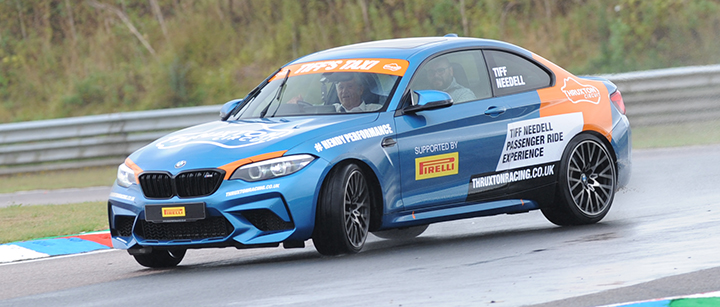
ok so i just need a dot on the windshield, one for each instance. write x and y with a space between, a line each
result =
327 87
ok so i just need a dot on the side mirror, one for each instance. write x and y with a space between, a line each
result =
429 100
228 107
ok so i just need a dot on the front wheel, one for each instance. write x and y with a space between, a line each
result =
161 258
343 213
586 183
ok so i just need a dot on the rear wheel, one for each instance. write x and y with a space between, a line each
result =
343 213
586 185
161 258
401 233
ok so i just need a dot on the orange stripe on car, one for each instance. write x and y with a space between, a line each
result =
232 166
394 67
571 94
136 169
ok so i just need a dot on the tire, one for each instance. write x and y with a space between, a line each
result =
586 183
161 258
343 214
401 233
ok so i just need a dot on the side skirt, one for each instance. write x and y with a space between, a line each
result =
522 202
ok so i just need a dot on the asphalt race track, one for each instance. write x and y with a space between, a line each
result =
661 238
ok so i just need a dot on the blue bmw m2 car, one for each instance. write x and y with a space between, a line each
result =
382 137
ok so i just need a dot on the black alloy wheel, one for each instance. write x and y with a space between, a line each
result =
587 183
343 213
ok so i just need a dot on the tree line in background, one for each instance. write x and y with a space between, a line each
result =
61 58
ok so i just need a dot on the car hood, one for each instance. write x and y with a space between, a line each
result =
218 143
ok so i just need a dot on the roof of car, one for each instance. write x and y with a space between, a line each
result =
402 48
399 43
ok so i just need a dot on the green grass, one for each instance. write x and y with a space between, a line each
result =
18 223
75 59
61 179
21 223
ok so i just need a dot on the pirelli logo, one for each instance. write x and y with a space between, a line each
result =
173 212
436 166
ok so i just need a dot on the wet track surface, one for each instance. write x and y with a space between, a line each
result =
659 239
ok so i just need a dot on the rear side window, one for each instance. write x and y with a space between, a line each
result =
513 74
461 74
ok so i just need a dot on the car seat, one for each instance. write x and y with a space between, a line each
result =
460 76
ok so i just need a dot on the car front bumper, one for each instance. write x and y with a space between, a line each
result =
239 213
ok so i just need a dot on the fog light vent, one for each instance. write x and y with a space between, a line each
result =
266 220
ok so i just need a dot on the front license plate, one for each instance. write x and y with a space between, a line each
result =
175 213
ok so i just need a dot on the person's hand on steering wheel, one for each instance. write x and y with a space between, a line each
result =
299 101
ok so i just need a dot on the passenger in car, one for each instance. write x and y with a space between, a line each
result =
441 77
350 92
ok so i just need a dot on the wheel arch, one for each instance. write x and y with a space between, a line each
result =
376 211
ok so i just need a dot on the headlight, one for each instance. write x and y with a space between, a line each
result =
272 168
125 176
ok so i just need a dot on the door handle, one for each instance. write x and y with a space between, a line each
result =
388 142
494 111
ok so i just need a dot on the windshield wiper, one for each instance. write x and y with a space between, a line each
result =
253 93
277 95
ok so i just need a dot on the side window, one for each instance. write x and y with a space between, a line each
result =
461 74
514 74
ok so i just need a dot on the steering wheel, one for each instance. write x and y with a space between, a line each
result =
304 103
